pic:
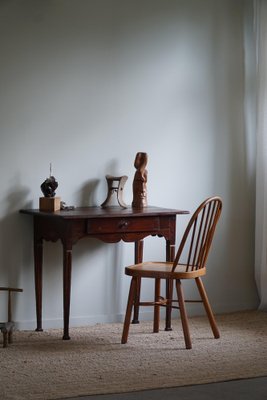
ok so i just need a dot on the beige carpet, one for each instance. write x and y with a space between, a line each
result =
39 365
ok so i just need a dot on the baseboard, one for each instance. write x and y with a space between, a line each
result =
192 310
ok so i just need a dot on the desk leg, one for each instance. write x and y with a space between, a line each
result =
67 261
138 258
38 276
170 252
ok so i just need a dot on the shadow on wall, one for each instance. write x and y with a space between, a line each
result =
86 195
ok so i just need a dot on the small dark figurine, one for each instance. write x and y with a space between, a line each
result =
49 186
140 180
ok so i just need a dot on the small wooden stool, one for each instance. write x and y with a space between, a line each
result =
7 327
115 189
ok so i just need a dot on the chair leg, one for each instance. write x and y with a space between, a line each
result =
137 300
207 306
169 295
130 304
156 307
183 314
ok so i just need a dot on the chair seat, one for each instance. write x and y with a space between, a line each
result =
163 270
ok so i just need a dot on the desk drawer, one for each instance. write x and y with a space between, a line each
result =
117 225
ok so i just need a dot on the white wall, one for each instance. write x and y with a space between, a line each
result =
87 84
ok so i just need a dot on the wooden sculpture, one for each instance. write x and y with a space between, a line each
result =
140 181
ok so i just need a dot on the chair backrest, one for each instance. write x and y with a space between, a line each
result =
196 241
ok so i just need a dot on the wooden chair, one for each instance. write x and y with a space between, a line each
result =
7 327
189 263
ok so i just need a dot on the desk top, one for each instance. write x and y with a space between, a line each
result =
99 212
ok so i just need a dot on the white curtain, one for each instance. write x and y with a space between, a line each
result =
261 158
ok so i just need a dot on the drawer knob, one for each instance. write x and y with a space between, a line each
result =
123 224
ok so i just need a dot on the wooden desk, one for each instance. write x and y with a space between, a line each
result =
109 225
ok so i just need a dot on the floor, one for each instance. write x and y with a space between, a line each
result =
245 389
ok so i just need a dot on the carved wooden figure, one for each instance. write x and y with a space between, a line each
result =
140 181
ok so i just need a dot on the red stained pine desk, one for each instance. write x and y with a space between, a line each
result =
109 225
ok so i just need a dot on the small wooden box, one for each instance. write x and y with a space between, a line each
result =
49 203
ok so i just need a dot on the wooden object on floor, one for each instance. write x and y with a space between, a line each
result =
8 326
189 263
49 204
